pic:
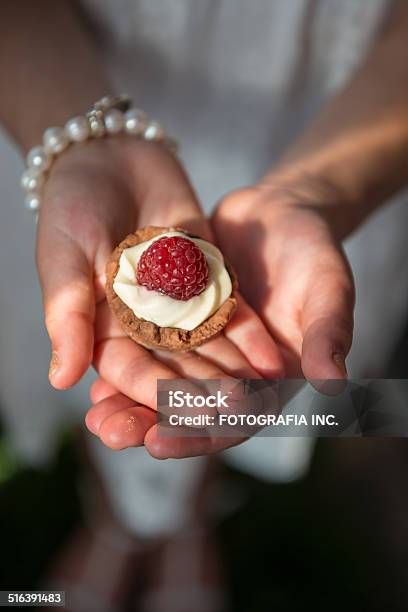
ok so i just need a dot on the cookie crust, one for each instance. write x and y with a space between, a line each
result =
149 334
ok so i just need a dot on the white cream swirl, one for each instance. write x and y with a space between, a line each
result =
162 309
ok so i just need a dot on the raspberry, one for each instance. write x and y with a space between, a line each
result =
174 266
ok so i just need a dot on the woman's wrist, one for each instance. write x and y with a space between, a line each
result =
296 187
109 116
29 126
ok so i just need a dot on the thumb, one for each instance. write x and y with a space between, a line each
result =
328 328
66 280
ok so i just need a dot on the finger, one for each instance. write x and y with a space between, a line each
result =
249 334
105 408
327 324
67 287
127 428
131 369
209 362
119 422
224 354
162 446
101 389
183 442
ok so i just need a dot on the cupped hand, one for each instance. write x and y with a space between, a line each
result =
293 272
96 194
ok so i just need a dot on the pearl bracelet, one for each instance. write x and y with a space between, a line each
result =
108 117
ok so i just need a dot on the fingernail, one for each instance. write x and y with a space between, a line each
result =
340 362
54 363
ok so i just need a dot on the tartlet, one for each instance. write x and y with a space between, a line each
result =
147 333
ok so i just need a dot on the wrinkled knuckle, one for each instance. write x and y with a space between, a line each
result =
239 198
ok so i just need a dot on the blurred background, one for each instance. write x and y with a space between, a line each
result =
336 537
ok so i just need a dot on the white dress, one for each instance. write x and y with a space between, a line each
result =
235 82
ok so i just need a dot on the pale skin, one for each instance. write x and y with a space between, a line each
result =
297 280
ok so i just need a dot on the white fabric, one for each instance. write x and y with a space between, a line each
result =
150 497
235 81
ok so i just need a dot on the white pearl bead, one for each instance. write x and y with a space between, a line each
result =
55 140
154 131
38 159
32 180
77 129
136 121
32 202
114 121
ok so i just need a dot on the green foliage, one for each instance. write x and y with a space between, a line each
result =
37 510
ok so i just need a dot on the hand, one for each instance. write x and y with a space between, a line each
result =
96 194
293 272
